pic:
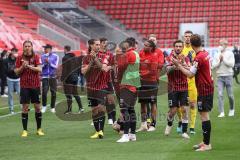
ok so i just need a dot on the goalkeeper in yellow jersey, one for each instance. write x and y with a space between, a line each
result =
192 90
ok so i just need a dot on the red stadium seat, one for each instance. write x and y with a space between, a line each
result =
164 16
18 25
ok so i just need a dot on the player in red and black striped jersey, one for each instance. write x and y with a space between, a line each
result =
177 88
28 68
201 69
94 69
110 103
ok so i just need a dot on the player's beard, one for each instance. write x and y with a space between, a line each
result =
177 53
147 50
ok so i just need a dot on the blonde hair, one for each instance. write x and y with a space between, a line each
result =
223 41
152 35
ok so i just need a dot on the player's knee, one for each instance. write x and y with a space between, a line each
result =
37 108
110 100
94 110
204 116
102 109
171 114
25 109
192 105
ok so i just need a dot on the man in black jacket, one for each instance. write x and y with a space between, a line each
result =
13 80
236 67
70 73
3 72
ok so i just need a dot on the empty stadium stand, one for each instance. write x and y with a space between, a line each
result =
18 25
78 21
163 17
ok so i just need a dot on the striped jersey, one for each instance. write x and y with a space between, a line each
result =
28 77
177 81
96 79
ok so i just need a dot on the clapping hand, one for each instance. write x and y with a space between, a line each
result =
92 53
175 61
221 58
25 64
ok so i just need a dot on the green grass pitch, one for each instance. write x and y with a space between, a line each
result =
70 140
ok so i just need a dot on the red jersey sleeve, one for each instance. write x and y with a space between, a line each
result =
108 59
131 58
141 54
160 58
111 59
38 60
86 60
18 62
197 62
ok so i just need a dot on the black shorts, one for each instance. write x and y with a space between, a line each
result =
147 93
205 103
96 97
178 98
28 95
109 89
70 89
127 98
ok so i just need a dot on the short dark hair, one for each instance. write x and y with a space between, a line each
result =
152 45
196 40
4 52
91 42
67 48
48 46
14 50
131 41
177 41
103 39
188 31
124 46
